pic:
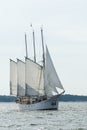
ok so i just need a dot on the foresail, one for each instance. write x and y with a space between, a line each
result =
20 78
13 77
33 76
51 78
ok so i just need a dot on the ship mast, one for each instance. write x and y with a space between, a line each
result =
34 44
43 58
26 46
43 47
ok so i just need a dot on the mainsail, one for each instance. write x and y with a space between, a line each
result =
33 78
20 78
51 78
13 77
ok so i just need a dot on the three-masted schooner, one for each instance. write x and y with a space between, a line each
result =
36 86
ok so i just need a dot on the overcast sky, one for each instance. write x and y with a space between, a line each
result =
65 33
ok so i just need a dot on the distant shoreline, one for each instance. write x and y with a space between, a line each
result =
73 98
64 98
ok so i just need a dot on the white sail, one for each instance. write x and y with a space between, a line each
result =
13 77
51 78
20 78
34 78
41 82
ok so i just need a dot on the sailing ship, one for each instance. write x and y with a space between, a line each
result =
36 86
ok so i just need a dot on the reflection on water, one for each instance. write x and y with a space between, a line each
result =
71 116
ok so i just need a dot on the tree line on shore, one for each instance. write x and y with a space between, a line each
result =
65 98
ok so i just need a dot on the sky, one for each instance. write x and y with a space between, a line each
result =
64 24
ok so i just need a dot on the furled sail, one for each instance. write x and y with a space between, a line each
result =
20 78
51 78
34 78
13 77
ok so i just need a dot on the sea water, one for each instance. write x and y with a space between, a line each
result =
70 116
